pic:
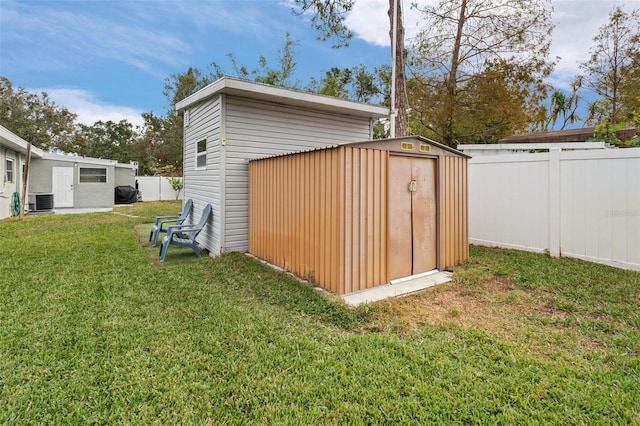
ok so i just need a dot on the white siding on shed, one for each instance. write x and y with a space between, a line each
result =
203 186
256 129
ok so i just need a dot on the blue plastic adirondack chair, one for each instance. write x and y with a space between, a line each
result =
184 235
162 222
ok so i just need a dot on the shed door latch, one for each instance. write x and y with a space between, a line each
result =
412 186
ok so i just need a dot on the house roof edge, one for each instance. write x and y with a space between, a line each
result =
16 143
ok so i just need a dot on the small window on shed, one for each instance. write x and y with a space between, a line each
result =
201 154
9 176
93 175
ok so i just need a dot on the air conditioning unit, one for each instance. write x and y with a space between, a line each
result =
40 202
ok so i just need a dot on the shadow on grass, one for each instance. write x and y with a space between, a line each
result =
260 283
267 285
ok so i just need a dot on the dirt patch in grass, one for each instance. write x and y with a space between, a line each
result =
175 253
494 304
141 232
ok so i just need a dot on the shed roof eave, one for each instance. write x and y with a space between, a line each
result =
264 92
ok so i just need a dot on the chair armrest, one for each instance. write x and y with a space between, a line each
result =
178 229
160 218
161 223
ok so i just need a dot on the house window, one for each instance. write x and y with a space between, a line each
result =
9 171
201 154
93 175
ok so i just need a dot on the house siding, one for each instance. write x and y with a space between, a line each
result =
204 186
8 188
257 129
125 176
89 195
85 195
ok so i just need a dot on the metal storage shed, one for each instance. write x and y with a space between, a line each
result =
355 216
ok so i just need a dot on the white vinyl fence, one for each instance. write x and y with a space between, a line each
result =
582 204
156 188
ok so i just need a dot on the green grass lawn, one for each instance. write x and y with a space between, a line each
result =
94 330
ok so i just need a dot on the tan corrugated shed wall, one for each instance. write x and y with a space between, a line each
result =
323 215
455 216
363 226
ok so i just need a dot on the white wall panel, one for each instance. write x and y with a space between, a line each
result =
156 188
509 201
601 215
596 215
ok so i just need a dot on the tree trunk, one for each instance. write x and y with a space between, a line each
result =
452 80
615 79
401 102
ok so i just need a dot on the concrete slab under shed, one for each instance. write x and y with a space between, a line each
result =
398 287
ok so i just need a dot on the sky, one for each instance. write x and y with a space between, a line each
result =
108 60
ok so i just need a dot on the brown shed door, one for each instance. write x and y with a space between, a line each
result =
412 216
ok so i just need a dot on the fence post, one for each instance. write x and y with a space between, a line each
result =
554 202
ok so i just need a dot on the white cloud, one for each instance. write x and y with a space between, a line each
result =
64 39
577 22
369 21
90 109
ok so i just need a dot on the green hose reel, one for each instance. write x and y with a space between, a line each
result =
15 204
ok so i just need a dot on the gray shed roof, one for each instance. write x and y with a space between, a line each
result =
264 92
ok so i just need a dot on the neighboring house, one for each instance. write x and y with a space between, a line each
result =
62 182
58 182
570 139
13 150
232 121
